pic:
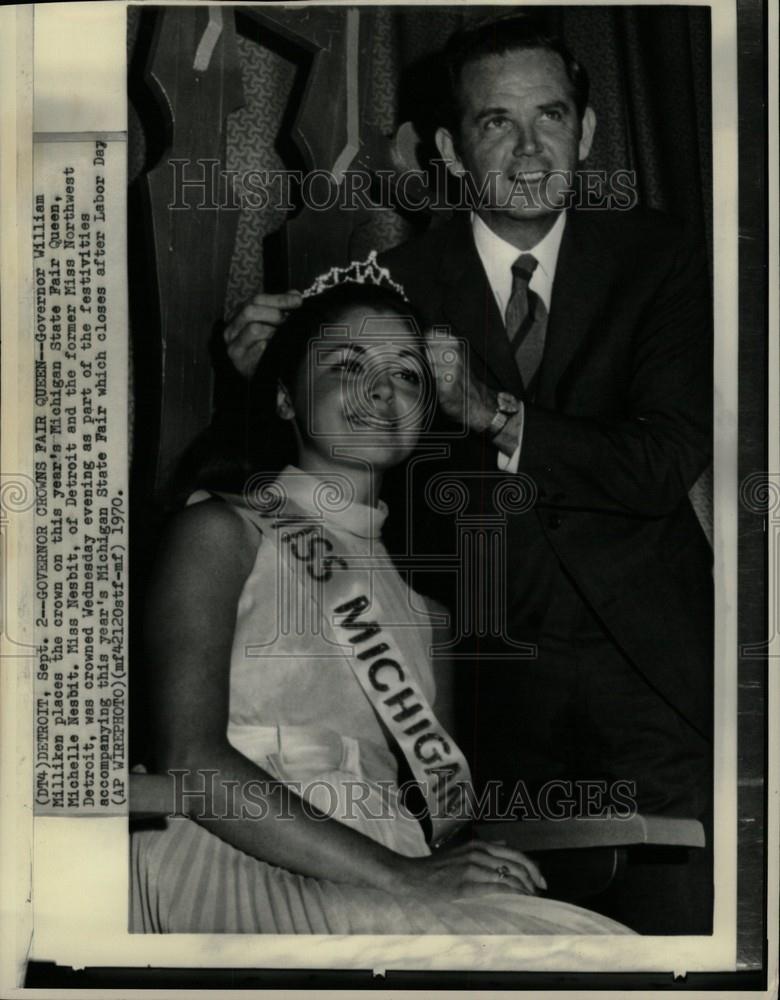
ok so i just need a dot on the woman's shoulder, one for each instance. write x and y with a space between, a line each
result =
212 528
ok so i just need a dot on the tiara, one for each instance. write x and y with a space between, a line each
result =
359 272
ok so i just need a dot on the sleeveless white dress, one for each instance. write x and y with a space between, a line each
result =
298 711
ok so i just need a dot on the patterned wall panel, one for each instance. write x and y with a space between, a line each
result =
252 134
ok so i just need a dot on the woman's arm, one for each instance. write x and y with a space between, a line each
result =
190 621
191 615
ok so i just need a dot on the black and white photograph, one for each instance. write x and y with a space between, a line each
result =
400 496
446 531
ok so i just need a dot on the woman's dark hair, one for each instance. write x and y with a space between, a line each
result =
497 36
251 437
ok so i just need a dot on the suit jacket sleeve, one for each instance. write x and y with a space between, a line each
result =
640 452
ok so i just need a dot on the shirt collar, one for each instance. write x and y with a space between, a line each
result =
498 255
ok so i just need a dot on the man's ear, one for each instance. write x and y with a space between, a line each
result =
284 407
588 130
446 146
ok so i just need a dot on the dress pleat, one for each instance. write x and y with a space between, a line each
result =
235 893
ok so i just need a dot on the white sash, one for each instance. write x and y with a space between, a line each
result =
352 615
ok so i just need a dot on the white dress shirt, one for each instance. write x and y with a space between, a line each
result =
498 256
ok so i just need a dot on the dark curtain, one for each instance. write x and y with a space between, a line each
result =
650 84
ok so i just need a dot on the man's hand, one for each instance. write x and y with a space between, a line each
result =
461 396
248 333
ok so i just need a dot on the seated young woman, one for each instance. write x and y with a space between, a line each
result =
291 671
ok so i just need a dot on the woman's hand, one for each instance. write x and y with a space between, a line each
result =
472 869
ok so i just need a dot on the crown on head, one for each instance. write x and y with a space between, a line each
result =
359 272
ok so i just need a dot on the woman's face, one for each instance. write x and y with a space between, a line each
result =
363 393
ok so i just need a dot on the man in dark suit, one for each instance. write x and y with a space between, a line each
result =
588 375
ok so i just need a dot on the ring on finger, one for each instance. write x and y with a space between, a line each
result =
502 871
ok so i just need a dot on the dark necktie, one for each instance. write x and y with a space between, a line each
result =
526 322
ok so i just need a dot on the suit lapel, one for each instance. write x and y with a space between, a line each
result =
471 310
582 278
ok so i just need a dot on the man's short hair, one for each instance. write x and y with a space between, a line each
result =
497 36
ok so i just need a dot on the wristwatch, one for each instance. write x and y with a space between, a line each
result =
506 406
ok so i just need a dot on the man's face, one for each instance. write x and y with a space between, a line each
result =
520 123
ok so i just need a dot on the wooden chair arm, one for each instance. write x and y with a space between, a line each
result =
568 834
151 795
582 858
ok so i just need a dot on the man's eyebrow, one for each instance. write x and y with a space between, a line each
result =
556 105
487 112
410 352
